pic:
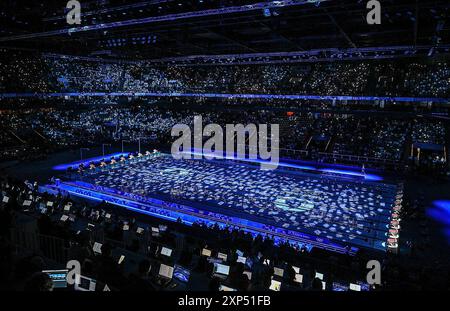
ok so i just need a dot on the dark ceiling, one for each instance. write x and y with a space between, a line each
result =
296 26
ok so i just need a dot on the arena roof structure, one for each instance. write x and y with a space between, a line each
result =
243 31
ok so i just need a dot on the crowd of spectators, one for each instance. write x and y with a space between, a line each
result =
23 73
372 137
354 78
36 73
380 138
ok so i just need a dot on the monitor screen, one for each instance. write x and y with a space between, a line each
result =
206 252
181 274
59 277
221 269
249 263
319 275
97 248
296 269
166 251
224 288
166 271
121 259
337 287
222 256
83 283
241 259
275 285
279 272
364 286
214 260
298 278
162 228
355 287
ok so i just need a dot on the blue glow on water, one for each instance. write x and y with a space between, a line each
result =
351 173
334 165
366 176
369 177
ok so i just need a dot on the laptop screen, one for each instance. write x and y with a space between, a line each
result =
221 269
59 277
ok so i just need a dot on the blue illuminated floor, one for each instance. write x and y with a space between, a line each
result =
321 210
